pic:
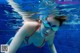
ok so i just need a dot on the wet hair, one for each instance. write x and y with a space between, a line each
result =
61 19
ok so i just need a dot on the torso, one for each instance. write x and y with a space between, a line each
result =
39 37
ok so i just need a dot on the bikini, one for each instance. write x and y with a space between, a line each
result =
46 25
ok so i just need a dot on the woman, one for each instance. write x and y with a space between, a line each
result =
34 31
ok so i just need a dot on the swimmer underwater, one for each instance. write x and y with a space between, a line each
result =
34 30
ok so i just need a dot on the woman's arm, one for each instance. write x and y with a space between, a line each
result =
26 30
51 45
52 48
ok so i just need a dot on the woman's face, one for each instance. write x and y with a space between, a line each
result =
51 27
54 24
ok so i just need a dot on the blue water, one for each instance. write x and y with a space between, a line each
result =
67 37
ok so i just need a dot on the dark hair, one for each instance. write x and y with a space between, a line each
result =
61 19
